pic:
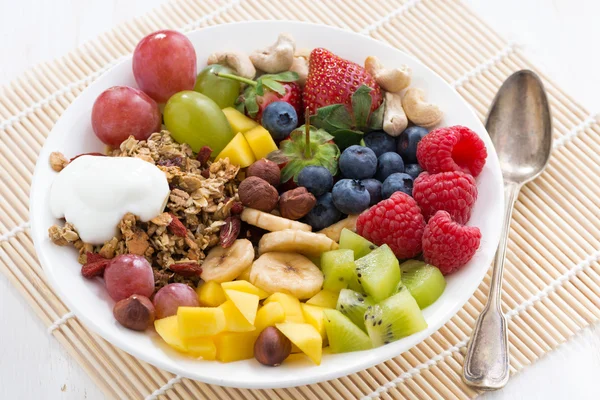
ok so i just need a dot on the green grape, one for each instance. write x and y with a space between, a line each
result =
223 91
195 119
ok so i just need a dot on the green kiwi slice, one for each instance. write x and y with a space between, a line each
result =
355 242
353 305
378 273
394 318
424 281
338 269
343 335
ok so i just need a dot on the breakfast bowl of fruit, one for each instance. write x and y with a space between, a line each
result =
266 204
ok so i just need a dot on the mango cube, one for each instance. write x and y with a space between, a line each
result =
246 303
210 294
234 346
234 319
324 298
238 121
269 315
261 141
201 347
290 304
195 322
238 151
306 337
246 287
314 315
168 329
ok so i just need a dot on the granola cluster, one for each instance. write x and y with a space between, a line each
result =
202 196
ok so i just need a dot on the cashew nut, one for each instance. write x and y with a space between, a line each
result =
276 58
419 111
390 80
300 65
236 60
394 118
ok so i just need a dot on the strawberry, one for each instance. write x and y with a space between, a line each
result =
343 98
265 90
333 80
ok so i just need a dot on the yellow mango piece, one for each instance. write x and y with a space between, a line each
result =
247 303
238 121
238 151
269 315
210 294
314 315
234 319
245 276
261 141
290 304
324 298
246 287
201 347
195 322
168 329
234 346
306 337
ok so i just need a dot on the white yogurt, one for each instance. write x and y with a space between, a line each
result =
94 193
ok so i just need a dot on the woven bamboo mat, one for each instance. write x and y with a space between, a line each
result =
552 275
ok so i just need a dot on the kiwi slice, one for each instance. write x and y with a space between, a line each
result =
355 242
353 305
424 281
378 273
394 318
338 269
343 335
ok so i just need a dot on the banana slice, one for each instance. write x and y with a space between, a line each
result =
334 231
307 243
224 265
271 222
290 273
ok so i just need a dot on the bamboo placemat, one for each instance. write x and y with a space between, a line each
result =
552 275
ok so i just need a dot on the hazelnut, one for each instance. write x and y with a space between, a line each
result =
267 170
255 192
296 203
272 347
135 312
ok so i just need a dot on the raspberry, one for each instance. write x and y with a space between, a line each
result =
397 222
456 148
453 191
447 244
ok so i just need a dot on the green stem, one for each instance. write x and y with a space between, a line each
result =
236 78
307 150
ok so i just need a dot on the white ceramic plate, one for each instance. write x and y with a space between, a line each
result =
89 301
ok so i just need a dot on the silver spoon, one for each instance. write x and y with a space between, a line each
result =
520 126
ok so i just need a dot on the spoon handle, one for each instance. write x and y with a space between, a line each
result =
486 363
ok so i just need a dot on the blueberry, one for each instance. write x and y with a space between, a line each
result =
350 196
398 182
315 179
387 164
413 170
408 141
323 213
373 186
358 162
280 119
380 142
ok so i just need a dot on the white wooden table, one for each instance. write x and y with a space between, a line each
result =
559 35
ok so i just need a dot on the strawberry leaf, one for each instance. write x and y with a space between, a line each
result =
332 118
250 103
273 85
287 76
361 106
376 118
345 138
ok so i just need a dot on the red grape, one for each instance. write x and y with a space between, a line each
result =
172 296
122 111
164 63
129 274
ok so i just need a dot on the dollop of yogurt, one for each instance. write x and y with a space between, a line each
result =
94 193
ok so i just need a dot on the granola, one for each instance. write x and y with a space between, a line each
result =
202 196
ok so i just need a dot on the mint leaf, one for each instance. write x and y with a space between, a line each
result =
273 85
361 106
287 76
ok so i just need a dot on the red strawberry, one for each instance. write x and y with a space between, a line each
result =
333 80
292 96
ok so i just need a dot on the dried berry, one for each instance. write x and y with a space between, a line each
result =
171 162
204 155
95 265
186 268
176 227
230 231
135 312
237 208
